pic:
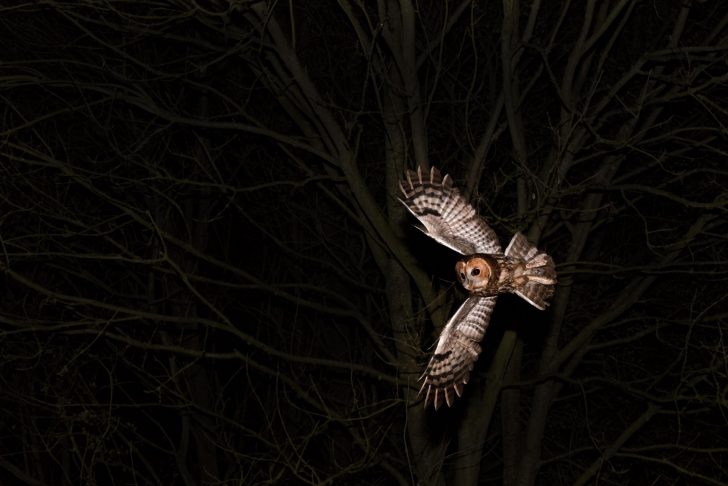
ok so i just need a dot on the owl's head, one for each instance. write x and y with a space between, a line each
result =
474 272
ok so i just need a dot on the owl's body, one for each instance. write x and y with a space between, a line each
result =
484 271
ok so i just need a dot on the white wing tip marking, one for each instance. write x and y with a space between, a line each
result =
401 188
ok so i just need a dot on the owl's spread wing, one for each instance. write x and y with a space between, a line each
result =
457 351
446 215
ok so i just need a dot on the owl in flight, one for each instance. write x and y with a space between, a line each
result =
484 271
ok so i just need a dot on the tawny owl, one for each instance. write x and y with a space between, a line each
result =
485 271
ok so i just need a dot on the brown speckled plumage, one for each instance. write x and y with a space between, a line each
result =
484 271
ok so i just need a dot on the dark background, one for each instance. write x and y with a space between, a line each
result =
207 277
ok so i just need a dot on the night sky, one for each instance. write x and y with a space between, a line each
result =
208 278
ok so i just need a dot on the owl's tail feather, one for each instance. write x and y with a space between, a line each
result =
534 277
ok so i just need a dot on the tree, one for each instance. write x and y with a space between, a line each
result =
208 276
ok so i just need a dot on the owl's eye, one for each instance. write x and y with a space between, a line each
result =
475 272
462 275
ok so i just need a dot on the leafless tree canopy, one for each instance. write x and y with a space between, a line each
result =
207 277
